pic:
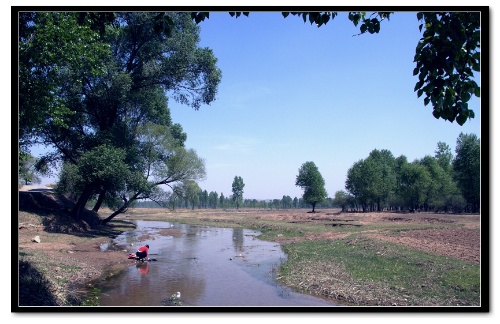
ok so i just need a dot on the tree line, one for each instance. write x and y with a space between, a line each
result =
439 183
224 203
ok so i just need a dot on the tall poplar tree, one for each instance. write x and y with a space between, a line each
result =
237 188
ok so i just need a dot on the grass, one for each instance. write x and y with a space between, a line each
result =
386 271
38 290
93 298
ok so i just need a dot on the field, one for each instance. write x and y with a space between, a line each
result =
355 259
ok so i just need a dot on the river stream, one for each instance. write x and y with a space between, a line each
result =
205 266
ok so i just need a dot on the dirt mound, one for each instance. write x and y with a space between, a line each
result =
43 200
55 210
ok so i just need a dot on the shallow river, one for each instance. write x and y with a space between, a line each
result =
208 266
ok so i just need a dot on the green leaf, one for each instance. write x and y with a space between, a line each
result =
477 92
326 18
465 96
421 76
312 18
418 85
415 71
461 119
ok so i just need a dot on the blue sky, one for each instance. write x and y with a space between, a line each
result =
292 93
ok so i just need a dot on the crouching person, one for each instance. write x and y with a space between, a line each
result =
142 252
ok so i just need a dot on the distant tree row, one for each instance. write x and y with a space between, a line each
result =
223 202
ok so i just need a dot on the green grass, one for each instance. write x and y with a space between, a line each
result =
409 275
93 298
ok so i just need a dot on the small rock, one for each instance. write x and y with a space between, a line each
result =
36 239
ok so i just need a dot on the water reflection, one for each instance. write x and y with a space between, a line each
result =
209 266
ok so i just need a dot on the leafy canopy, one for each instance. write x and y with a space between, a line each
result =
312 182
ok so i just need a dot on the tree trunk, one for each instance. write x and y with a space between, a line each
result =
82 201
100 199
314 205
121 209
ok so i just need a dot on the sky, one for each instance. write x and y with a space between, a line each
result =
292 93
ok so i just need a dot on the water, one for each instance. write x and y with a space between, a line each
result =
208 266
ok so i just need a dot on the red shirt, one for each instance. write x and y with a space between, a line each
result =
143 249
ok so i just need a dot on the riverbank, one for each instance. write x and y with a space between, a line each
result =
361 259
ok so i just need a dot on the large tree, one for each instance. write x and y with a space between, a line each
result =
444 157
313 184
442 188
467 169
415 181
106 100
362 180
191 191
384 178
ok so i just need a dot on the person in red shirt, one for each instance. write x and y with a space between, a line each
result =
142 252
